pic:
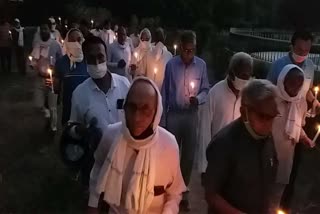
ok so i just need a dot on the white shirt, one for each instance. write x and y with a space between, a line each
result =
157 58
96 32
108 36
224 106
89 102
116 52
221 108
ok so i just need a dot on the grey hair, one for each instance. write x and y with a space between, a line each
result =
238 59
257 91
188 36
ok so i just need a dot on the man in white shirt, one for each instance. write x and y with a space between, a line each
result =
107 35
98 96
157 59
119 54
224 100
137 161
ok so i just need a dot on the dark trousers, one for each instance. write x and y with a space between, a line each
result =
21 60
182 124
287 196
5 59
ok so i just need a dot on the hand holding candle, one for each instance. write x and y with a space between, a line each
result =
316 91
192 85
136 55
92 22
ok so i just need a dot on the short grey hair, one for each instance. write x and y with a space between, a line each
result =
238 59
256 91
188 36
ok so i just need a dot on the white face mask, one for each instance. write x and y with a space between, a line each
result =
299 59
74 51
239 84
97 71
251 130
145 44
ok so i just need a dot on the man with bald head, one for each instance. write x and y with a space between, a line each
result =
137 162
119 54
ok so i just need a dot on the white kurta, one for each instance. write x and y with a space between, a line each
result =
160 64
284 146
115 54
222 108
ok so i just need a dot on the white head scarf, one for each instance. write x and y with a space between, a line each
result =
73 49
140 192
294 123
146 46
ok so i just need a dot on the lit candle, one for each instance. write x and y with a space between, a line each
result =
50 74
114 37
175 49
280 212
192 85
51 60
317 135
62 41
316 91
30 58
136 55
66 26
155 71
59 20
92 23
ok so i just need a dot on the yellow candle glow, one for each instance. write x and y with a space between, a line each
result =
316 91
317 135
66 26
92 21
50 74
62 41
136 55
59 18
10 32
280 212
192 85
30 58
155 70
175 49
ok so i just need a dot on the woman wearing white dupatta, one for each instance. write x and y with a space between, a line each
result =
287 128
137 162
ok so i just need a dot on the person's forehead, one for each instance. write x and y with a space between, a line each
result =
267 107
74 34
189 45
145 34
302 43
142 92
96 49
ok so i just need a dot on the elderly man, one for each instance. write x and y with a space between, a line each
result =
224 98
185 86
119 54
157 59
97 97
241 157
70 70
137 162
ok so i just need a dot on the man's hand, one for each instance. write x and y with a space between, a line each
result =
92 210
307 141
48 82
194 101
122 64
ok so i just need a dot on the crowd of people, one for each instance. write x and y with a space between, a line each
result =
155 110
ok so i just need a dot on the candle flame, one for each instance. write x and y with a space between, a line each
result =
280 212
30 58
136 55
66 26
59 18
175 46
318 127
114 37
155 70
49 71
92 21
192 85
62 41
316 89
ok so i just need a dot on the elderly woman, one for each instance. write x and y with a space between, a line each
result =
223 105
70 70
141 52
241 157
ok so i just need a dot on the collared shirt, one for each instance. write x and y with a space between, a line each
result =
307 66
115 54
70 78
89 102
177 90
241 169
